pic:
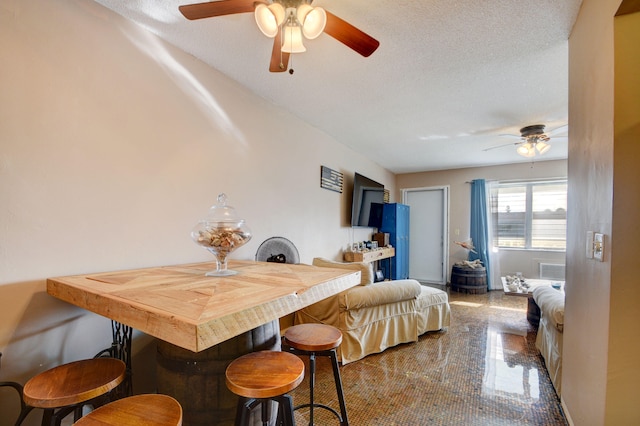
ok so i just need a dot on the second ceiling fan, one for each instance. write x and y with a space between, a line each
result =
532 140
287 21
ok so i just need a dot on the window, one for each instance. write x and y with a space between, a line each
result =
530 215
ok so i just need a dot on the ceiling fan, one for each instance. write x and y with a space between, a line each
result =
286 21
533 140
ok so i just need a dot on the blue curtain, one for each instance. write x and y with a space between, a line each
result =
479 231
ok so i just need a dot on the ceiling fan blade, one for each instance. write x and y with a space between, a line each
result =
501 146
279 59
562 130
216 8
350 36
506 135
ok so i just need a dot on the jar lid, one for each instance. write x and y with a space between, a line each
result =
221 212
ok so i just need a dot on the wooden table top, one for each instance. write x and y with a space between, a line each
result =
182 306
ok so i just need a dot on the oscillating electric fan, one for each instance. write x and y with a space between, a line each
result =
279 250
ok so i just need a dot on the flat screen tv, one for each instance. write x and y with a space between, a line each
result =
368 198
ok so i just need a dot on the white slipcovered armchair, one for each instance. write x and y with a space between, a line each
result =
375 316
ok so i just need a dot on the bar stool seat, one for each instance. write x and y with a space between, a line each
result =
69 386
137 410
314 340
263 376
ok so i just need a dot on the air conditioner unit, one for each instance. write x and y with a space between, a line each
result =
552 271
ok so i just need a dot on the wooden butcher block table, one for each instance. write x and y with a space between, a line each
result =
203 323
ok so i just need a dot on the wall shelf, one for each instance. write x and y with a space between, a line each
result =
369 256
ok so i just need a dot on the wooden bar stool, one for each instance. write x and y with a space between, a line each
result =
68 387
138 410
261 377
314 340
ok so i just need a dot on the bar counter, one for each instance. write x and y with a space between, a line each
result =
182 306
202 323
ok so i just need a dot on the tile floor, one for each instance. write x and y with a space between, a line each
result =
483 370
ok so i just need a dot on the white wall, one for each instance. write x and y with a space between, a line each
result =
113 145
584 374
601 356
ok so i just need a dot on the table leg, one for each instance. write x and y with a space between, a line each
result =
197 379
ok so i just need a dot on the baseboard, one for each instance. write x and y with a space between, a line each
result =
567 415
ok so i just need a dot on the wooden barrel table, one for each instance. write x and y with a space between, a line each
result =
465 279
197 379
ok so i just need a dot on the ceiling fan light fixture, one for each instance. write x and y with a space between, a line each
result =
312 19
293 39
526 150
269 18
542 147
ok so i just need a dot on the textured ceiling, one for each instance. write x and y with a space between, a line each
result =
450 79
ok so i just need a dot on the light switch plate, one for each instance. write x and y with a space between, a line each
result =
589 246
598 246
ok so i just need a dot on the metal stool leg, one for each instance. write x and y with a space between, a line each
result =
284 416
344 421
240 408
332 354
265 410
24 412
285 410
47 418
243 411
312 383
24 408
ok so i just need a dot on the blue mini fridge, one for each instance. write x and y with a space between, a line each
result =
395 222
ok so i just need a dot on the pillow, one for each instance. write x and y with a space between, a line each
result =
381 293
366 269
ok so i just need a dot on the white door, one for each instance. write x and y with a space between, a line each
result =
428 233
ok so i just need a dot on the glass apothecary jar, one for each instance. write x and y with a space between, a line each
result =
221 232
